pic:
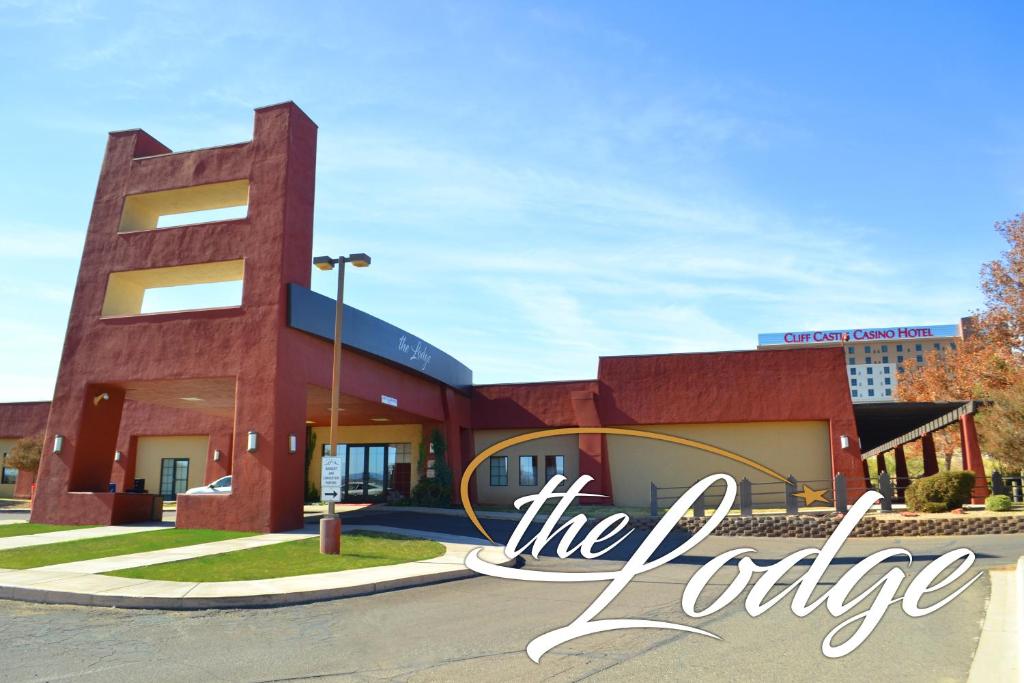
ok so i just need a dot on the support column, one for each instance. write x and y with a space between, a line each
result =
880 461
963 451
867 474
931 463
593 448
972 456
902 474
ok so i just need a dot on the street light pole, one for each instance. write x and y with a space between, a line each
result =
330 524
336 372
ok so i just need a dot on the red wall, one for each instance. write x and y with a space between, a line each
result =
735 386
18 420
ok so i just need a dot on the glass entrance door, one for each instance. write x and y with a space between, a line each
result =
367 472
173 477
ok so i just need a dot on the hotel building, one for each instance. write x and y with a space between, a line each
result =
150 403
875 356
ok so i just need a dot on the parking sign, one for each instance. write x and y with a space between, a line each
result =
330 480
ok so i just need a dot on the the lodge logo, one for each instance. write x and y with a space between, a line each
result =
420 353
939 577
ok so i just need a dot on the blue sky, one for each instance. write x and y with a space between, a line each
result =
541 184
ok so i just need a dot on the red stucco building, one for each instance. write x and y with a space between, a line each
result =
176 398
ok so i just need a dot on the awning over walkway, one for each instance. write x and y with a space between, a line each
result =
884 426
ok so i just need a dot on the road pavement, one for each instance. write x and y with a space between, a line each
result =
477 629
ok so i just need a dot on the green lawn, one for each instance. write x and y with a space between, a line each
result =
90 549
293 558
28 528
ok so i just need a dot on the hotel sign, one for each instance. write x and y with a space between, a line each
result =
907 333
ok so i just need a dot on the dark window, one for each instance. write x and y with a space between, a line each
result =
527 470
885 359
853 371
952 345
918 347
9 474
870 370
855 393
901 370
888 380
867 349
173 477
851 361
853 382
499 470
888 392
899 348
871 392
899 359
920 359
553 466
885 348
885 370
871 382
938 346
849 350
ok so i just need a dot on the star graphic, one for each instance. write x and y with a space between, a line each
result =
811 496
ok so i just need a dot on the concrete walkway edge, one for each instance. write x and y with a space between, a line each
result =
1000 652
100 591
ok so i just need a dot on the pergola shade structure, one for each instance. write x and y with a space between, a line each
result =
885 427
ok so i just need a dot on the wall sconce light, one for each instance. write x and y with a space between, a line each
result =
58 443
216 454
293 443
251 443
117 456
844 441
100 397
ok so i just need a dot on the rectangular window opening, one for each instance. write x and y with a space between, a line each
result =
554 465
175 288
499 470
185 206
527 470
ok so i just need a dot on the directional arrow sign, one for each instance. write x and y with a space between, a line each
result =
330 479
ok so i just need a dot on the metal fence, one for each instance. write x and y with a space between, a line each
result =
1012 486
793 494
800 493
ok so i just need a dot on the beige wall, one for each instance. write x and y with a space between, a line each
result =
797 448
6 490
410 434
152 449
567 446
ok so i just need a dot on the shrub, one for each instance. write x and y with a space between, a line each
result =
998 503
25 453
431 493
949 489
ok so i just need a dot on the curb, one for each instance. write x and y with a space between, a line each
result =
999 654
52 596
55 597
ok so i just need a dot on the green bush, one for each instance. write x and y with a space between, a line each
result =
998 503
949 489
431 493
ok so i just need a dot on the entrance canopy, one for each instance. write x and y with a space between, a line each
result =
885 426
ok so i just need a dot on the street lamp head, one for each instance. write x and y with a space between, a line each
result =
358 260
324 262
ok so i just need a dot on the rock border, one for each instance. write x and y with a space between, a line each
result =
822 526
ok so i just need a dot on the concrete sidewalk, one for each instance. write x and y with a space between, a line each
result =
69 584
1000 653
28 540
103 565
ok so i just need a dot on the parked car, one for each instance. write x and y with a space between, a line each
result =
222 485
